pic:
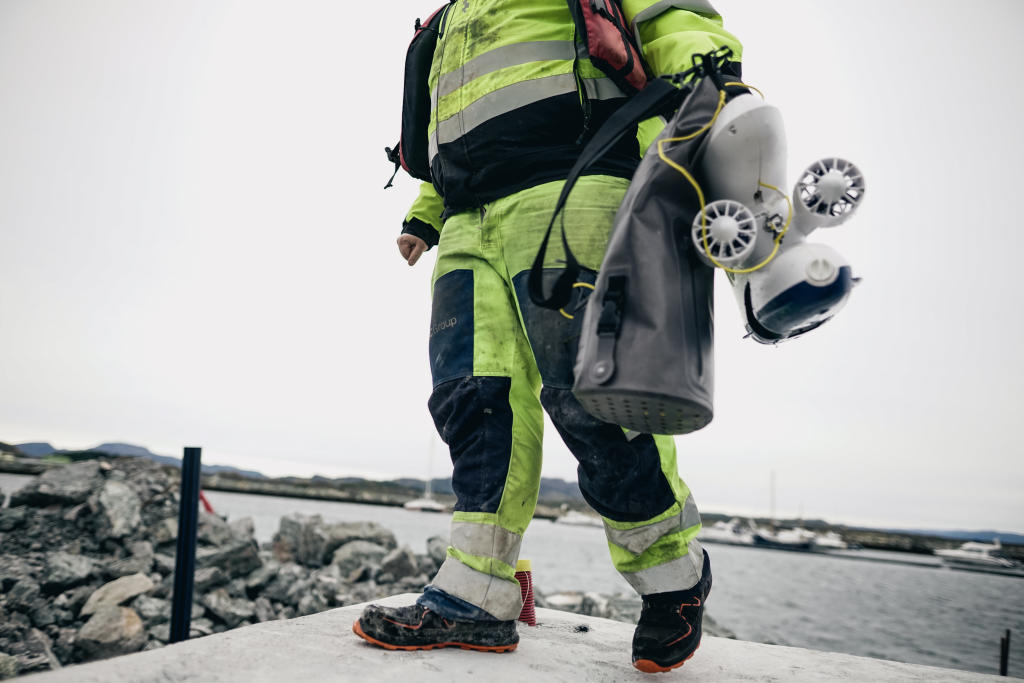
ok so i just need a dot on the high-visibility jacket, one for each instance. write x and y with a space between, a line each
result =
513 101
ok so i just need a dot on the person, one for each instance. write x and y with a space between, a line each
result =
512 102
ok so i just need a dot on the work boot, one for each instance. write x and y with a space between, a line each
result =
416 627
668 632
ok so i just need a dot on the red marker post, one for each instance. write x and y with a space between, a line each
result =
524 576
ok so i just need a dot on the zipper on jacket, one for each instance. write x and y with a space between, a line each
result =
581 89
584 105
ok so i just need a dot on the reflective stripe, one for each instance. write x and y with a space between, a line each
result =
656 8
512 97
492 594
674 575
501 57
639 538
486 540
602 89
502 101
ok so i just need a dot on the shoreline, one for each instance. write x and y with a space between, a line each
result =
363 494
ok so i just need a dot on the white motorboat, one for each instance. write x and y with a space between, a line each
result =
784 539
829 540
733 532
978 556
577 518
425 505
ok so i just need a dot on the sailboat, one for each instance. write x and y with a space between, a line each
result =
427 502
782 539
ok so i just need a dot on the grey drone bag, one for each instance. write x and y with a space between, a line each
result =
645 358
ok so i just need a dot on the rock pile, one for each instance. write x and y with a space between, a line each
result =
87 563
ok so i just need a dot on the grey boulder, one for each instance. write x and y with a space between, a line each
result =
116 592
62 485
231 611
119 509
356 554
66 570
111 631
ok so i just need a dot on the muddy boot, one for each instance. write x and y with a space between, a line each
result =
668 632
416 627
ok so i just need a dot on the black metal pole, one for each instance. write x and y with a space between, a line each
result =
1004 654
185 559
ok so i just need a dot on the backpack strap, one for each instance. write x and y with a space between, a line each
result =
659 97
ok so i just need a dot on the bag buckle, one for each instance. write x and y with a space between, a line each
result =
610 320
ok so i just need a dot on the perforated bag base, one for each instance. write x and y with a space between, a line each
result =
646 412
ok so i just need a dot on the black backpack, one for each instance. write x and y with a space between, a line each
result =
411 151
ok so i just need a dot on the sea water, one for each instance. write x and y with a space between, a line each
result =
920 614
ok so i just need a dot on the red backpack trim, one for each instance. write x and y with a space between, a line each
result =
610 44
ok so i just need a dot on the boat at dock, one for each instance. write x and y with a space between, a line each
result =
425 505
576 518
828 540
977 556
746 533
784 539
733 532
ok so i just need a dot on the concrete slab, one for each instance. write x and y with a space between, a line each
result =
562 647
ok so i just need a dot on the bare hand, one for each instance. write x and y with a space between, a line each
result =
411 248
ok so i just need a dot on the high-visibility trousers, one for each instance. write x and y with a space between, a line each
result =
497 360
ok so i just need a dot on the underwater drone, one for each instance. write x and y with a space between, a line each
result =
784 285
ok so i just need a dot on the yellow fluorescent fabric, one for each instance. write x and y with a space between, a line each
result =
427 207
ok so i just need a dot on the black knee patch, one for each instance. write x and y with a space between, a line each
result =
451 327
553 337
620 478
474 418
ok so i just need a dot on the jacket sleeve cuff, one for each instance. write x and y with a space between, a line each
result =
421 229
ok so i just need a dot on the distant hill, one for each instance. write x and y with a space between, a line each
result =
559 488
126 449
958 534
40 450
123 449
36 450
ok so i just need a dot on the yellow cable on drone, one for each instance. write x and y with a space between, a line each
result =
700 192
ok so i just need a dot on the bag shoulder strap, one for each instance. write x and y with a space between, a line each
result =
660 96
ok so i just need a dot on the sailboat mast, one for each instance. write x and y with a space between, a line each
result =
428 490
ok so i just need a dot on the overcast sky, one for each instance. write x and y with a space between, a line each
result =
195 249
